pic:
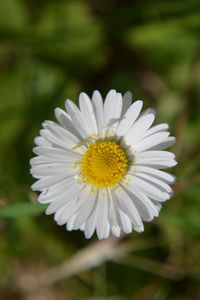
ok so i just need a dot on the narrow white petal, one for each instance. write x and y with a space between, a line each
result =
127 99
125 222
72 194
129 118
40 160
46 182
164 186
66 212
139 229
56 141
58 213
108 105
77 118
65 120
70 224
151 141
61 133
88 199
112 111
116 230
112 209
69 210
156 128
142 203
171 140
82 228
88 113
150 190
154 155
128 207
139 128
158 206
56 190
98 110
40 141
149 205
55 152
90 224
46 170
107 232
156 173
102 217
158 164
62 195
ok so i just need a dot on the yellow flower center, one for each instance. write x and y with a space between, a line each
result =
104 164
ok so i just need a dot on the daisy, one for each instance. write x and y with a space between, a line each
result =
100 168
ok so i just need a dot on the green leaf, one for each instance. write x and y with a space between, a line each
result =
13 15
18 210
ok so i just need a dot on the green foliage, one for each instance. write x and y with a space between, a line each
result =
51 50
19 210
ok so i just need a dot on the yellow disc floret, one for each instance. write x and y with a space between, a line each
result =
104 164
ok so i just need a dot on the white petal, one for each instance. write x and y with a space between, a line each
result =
46 170
116 230
88 200
157 128
155 155
127 99
55 152
98 110
125 222
40 160
171 140
70 224
112 111
61 133
150 190
151 141
71 194
156 173
77 118
56 190
112 209
156 181
150 206
58 213
40 141
88 113
128 207
46 182
158 164
82 228
139 128
66 121
102 217
56 141
90 224
107 232
108 105
69 210
63 196
129 118
143 204
64 213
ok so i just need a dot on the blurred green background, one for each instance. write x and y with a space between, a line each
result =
51 50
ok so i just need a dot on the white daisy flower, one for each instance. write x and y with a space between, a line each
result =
100 167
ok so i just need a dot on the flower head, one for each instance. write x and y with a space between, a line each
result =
100 167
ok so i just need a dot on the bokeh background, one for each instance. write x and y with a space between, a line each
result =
51 50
